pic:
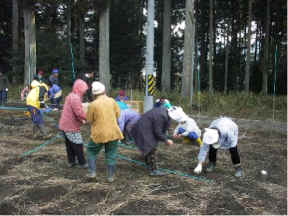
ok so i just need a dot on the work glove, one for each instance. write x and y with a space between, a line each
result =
180 130
198 168
42 104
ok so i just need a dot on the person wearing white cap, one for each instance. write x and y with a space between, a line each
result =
102 114
187 127
221 134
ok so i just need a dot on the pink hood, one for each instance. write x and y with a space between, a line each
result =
79 87
73 114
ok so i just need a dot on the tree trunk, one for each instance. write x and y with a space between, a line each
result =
104 48
266 50
189 44
166 57
69 7
248 51
30 44
211 42
227 51
15 35
82 43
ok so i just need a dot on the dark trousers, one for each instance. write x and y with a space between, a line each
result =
150 160
74 151
3 96
55 102
233 152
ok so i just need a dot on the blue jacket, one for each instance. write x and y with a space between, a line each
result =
127 117
53 90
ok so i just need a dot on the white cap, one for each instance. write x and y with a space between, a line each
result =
210 137
97 88
177 114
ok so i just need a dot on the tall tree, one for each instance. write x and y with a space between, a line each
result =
15 35
30 41
266 50
104 46
189 44
166 56
227 51
211 43
82 42
248 50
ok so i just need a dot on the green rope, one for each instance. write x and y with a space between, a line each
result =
72 56
38 148
12 108
127 146
174 172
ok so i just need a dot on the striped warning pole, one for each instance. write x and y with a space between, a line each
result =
151 84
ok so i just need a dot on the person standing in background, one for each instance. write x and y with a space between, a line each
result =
53 78
4 83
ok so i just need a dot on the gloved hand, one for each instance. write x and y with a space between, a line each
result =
42 104
6 89
192 136
198 140
198 168
180 130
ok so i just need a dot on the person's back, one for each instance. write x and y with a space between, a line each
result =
102 114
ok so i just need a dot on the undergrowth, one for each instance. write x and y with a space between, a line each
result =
234 104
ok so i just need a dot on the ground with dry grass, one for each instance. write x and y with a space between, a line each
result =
41 183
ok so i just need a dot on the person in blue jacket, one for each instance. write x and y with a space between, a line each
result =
55 96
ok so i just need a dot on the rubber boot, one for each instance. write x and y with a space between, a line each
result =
91 168
110 173
238 172
211 167
44 133
34 131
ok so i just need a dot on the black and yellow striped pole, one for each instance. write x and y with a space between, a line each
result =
151 84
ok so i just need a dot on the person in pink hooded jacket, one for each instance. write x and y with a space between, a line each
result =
72 117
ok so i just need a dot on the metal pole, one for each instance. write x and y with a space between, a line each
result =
149 61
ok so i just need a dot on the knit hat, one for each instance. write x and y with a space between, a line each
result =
162 102
122 93
97 88
210 137
40 72
177 114
55 70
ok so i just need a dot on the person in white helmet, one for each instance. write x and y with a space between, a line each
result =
221 134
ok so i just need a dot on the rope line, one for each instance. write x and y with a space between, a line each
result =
122 157
38 148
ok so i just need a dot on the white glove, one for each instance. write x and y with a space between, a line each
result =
198 168
6 89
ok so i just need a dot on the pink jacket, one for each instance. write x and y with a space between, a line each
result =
73 114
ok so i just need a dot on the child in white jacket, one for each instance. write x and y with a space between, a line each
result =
187 127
